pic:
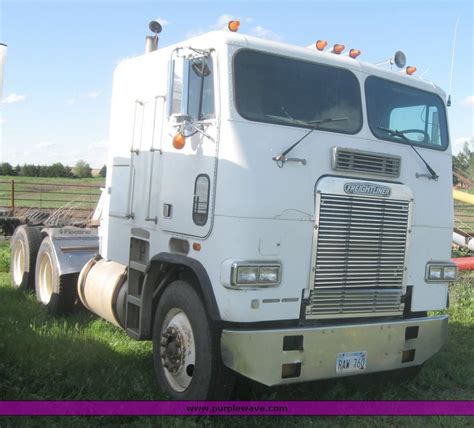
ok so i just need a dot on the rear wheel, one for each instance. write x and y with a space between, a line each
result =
24 248
186 348
57 293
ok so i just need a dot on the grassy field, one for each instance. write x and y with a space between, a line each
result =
47 192
81 357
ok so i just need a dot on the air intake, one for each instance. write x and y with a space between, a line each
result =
366 162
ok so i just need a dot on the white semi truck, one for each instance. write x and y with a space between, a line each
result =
280 212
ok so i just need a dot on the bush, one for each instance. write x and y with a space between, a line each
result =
82 169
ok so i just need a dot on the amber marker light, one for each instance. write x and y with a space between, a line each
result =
337 48
354 53
178 141
233 26
321 45
196 247
410 70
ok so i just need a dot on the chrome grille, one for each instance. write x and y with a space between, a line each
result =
355 301
360 256
367 162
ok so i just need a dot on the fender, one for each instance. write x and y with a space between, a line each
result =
151 280
73 247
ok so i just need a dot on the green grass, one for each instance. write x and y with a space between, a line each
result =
81 357
51 192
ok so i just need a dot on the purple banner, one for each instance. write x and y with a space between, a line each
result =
196 408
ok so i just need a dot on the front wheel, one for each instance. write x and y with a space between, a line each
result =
186 348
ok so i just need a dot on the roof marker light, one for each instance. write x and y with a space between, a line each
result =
354 53
410 70
337 48
321 45
233 26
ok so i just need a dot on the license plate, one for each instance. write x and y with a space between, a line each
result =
350 362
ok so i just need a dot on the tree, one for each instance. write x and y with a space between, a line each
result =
462 161
82 169
58 170
103 171
29 170
6 169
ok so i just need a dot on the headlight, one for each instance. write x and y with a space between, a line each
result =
255 274
440 272
247 274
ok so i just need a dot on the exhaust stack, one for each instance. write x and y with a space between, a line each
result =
152 41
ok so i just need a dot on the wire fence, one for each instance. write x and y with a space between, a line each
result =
50 195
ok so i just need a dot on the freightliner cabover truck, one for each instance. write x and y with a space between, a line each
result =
279 212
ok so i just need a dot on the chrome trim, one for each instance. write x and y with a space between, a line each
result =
236 265
367 163
442 265
384 342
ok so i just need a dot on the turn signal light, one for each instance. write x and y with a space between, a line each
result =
337 48
354 53
410 70
233 26
178 141
196 246
321 45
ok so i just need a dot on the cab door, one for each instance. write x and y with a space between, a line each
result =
188 177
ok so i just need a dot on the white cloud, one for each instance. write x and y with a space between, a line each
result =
92 95
13 98
44 144
223 20
162 21
2 120
468 101
458 144
265 33
98 145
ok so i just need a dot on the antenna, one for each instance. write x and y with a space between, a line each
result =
448 103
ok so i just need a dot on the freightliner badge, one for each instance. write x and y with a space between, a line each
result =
367 189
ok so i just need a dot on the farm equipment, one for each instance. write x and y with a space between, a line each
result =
269 210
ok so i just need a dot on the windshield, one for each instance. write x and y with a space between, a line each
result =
418 115
286 91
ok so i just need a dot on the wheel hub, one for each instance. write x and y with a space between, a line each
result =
172 349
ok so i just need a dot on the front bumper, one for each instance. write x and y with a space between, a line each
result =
259 354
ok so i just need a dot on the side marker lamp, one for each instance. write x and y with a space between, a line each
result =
179 141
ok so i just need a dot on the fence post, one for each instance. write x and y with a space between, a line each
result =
13 195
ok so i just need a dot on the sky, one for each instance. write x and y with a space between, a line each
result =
61 57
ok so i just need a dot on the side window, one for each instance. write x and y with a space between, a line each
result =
201 199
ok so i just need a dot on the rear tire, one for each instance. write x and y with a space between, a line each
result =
186 349
24 246
55 292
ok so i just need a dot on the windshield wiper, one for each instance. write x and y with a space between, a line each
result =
314 124
400 134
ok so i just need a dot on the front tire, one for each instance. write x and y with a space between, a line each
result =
55 292
186 349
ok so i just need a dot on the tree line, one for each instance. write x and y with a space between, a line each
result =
81 170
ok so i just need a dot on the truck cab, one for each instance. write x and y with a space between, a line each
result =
275 211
